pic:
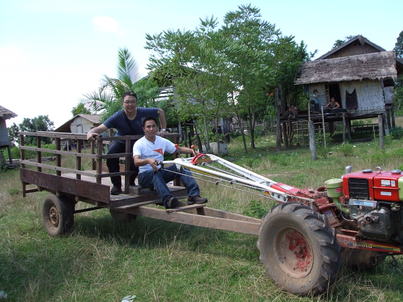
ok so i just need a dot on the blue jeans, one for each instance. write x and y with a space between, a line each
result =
158 180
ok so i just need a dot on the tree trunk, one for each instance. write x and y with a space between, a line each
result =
206 134
217 137
242 133
251 125
278 125
199 142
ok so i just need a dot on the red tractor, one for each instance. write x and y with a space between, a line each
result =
356 220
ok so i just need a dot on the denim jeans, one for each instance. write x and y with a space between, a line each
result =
158 180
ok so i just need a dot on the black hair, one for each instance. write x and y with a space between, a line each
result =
150 118
129 93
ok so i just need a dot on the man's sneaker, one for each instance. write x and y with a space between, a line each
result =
116 190
196 199
173 203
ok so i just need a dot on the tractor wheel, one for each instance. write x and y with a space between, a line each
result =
122 217
298 249
58 215
362 259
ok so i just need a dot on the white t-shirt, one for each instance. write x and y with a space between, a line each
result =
146 149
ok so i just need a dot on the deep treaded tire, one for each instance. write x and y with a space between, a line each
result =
58 215
298 249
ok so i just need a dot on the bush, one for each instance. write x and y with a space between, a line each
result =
15 151
347 149
323 152
397 133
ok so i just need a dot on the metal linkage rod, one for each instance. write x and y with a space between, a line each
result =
248 178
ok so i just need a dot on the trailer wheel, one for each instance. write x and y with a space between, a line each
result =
122 217
362 259
58 215
298 249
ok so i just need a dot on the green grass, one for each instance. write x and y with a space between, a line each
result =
161 261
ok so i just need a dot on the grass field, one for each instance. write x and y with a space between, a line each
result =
159 261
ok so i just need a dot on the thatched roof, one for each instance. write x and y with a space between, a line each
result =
371 66
93 118
357 39
6 114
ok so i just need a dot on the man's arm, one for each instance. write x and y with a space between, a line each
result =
163 121
146 161
186 150
94 132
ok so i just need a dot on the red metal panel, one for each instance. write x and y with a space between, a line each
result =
386 186
362 175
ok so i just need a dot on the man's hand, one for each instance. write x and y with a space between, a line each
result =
194 150
153 163
92 136
94 132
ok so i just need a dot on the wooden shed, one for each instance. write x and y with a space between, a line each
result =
5 114
81 123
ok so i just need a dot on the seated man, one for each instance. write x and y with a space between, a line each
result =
148 152
333 104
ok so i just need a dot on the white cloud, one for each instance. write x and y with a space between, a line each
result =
106 24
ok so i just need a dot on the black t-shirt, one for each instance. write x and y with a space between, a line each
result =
120 122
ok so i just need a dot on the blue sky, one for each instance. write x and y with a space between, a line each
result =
54 51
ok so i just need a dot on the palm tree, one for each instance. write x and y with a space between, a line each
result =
108 98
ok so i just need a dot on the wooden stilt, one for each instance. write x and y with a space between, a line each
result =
323 127
380 127
344 127
312 146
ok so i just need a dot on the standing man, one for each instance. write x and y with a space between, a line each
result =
148 152
127 122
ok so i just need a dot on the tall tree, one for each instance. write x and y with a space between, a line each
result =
108 97
39 123
399 83
399 46
13 132
235 65
80 109
260 59
188 61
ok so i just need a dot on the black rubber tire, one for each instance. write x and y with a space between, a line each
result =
122 217
58 215
298 249
362 260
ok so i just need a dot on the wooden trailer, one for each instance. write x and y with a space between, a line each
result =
69 185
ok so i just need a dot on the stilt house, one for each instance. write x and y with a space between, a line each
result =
359 74
5 114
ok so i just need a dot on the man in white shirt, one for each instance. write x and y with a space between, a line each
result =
148 152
